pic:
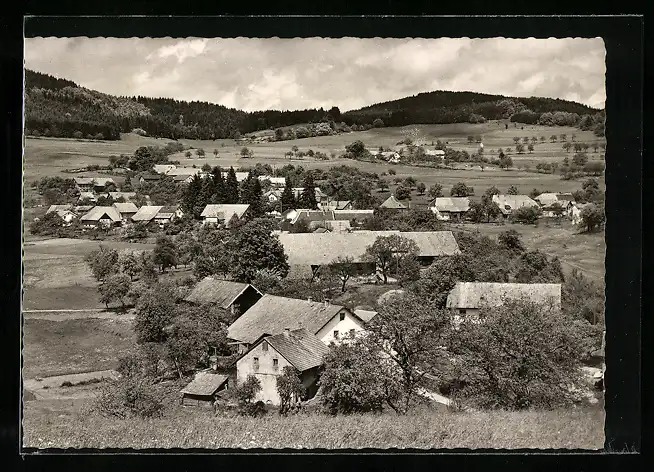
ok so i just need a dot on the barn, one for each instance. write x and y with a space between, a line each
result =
236 297
203 389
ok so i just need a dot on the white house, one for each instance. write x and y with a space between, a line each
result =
222 213
272 314
101 216
548 200
65 212
508 203
450 208
437 153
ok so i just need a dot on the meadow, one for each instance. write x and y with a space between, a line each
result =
54 424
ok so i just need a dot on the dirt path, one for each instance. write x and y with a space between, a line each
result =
50 387
64 315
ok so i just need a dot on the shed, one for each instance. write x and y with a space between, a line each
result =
234 296
203 389
392 203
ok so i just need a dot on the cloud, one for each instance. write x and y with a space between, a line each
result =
259 74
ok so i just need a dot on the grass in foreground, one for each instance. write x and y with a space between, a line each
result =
71 346
193 427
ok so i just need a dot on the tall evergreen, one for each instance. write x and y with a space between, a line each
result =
288 196
191 195
231 187
206 192
218 185
255 196
308 196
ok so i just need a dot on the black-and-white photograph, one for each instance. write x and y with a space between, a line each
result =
314 243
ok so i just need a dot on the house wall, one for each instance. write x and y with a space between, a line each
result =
326 333
213 220
266 372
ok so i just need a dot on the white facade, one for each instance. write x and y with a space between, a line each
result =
338 327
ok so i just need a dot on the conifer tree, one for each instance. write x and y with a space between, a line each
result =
288 197
191 195
308 196
231 187
218 185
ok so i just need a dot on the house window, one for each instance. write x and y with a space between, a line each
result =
335 334
352 332
342 316
275 364
256 363
462 311
264 346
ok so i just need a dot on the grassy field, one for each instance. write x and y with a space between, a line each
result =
64 425
72 346
55 275
583 251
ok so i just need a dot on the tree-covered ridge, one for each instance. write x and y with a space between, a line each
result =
61 108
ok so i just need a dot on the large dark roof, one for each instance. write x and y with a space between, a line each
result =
299 347
220 292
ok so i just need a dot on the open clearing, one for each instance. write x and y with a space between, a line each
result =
73 346
63 424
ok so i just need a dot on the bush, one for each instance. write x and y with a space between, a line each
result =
130 396
245 395
525 215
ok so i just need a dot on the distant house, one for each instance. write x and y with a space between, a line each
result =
435 153
335 205
450 208
468 298
275 182
358 216
547 201
391 157
126 210
269 355
320 195
183 179
125 195
223 213
65 212
307 252
240 176
149 178
312 217
84 184
392 203
508 203
168 214
272 314
575 213
146 213
203 390
101 216
366 315
100 183
163 168
233 296
81 209
273 196
87 196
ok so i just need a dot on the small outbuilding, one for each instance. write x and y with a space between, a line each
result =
204 388
236 297
392 203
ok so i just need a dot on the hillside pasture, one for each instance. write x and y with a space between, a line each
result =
55 275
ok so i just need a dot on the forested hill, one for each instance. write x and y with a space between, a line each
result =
457 107
61 108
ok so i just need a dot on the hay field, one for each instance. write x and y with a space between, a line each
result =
55 275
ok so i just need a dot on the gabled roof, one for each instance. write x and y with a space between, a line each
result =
125 195
87 195
299 347
365 315
83 208
336 204
392 202
220 292
125 207
204 384
146 213
224 211
169 209
163 168
322 248
513 202
240 176
67 207
84 180
480 294
272 314
313 215
99 212
549 199
102 181
451 204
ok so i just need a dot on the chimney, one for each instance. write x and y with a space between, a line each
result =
287 332
327 301
309 299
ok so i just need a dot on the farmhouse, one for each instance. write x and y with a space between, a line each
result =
508 203
90 196
272 314
163 168
223 213
450 208
203 390
65 212
269 355
273 195
125 195
125 210
149 178
335 205
102 216
438 153
233 296
275 182
468 298
146 213
167 214
100 183
392 203
548 201
575 212
307 252
84 184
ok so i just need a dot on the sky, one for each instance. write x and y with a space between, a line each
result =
290 74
